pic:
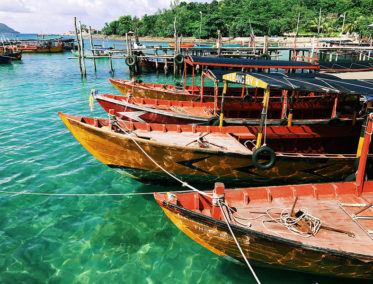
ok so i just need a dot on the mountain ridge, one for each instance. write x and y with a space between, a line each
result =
6 29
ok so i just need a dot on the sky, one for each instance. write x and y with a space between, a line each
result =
57 16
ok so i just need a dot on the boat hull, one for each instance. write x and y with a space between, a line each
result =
185 112
264 249
169 92
201 165
5 59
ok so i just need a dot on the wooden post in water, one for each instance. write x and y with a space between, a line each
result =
128 50
82 49
78 43
265 45
156 59
175 48
92 47
218 44
111 63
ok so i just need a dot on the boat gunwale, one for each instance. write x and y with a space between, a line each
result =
206 150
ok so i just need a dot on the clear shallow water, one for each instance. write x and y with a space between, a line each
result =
51 239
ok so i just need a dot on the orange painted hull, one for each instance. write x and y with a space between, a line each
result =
39 49
264 242
224 159
170 92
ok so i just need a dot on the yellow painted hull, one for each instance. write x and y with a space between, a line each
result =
199 165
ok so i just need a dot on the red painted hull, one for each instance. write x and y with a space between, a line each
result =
185 112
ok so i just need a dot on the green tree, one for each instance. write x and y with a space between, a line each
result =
268 17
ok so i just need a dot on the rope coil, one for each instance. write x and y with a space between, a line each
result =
294 222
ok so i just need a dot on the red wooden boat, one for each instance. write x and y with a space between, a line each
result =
320 106
177 92
322 228
314 110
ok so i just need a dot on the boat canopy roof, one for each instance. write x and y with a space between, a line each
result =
248 63
312 82
339 66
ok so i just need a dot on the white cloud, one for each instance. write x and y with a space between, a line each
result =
56 16
13 6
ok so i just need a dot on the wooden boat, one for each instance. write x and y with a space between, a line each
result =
311 111
316 108
305 112
184 92
11 52
5 59
183 45
168 92
317 228
179 92
150 64
16 55
41 46
205 154
346 66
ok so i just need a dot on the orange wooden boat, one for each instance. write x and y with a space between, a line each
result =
205 154
170 92
183 45
322 228
36 46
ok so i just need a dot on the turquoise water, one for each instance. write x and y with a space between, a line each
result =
54 239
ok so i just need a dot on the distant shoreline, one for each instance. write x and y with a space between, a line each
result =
259 39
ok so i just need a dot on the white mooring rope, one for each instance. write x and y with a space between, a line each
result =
238 245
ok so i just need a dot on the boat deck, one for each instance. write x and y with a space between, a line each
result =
330 213
335 204
212 141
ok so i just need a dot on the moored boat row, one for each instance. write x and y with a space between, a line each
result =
301 137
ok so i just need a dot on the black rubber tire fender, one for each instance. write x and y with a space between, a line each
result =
269 164
179 59
130 60
247 98
265 56
215 121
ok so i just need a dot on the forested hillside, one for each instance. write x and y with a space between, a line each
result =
267 17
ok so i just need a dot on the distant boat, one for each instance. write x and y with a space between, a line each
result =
13 53
5 59
41 46
183 45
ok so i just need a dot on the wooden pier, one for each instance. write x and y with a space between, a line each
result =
164 58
